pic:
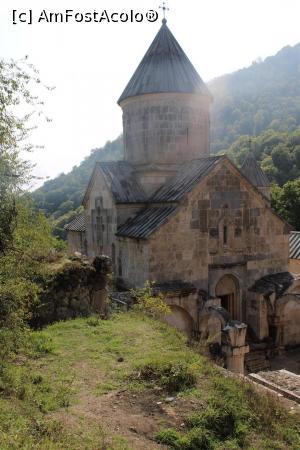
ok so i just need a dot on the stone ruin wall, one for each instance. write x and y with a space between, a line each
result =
76 289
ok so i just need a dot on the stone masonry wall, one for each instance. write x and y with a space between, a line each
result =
133 262
294 266
101 220
165 128
191 245
76 242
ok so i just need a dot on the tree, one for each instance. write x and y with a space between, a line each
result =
297 156
286 201
25 236
282 158
16 80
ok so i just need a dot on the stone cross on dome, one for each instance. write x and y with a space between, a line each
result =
164 9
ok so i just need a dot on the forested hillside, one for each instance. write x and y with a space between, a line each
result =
264 95
277 152
64 192
256 108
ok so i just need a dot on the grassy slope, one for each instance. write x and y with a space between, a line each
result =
73 393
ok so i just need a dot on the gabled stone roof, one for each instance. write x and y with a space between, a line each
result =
120 181
254 173
164 68
77 224
295 245
146 222
189 174
124 186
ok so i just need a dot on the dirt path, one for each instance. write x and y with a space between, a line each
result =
134 415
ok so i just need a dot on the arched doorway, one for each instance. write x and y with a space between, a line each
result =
180 319
227 289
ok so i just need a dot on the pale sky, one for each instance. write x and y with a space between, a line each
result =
90 63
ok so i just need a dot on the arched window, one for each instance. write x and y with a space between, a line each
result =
225 235
120 264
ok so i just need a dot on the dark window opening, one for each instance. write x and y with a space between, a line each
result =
225 235
113 254
120 264
99 236
187 135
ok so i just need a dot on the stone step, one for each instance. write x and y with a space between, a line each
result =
255 361
286 383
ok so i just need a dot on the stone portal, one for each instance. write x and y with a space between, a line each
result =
227 289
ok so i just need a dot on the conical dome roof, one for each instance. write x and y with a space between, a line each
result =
252 170
164 68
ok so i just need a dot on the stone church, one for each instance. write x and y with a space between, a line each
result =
194 223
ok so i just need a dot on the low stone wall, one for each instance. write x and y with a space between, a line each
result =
76 289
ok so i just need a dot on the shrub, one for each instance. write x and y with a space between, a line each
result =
148 303
93 321
10 343
221 422
169 437
40 344
196 439
171 376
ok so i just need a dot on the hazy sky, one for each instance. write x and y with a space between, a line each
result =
90 63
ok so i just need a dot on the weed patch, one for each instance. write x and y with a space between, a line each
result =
172 376
40 344
233 416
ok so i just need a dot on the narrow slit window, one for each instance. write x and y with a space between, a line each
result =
225 235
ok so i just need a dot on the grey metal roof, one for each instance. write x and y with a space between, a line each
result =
77 224
124 185
277 282
189 174
254 173
146 222
295 245
164 68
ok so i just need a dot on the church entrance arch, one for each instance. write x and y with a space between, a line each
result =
227 289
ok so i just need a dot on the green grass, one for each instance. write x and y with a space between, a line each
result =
129 351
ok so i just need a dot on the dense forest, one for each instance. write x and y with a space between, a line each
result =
277 152
255 109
